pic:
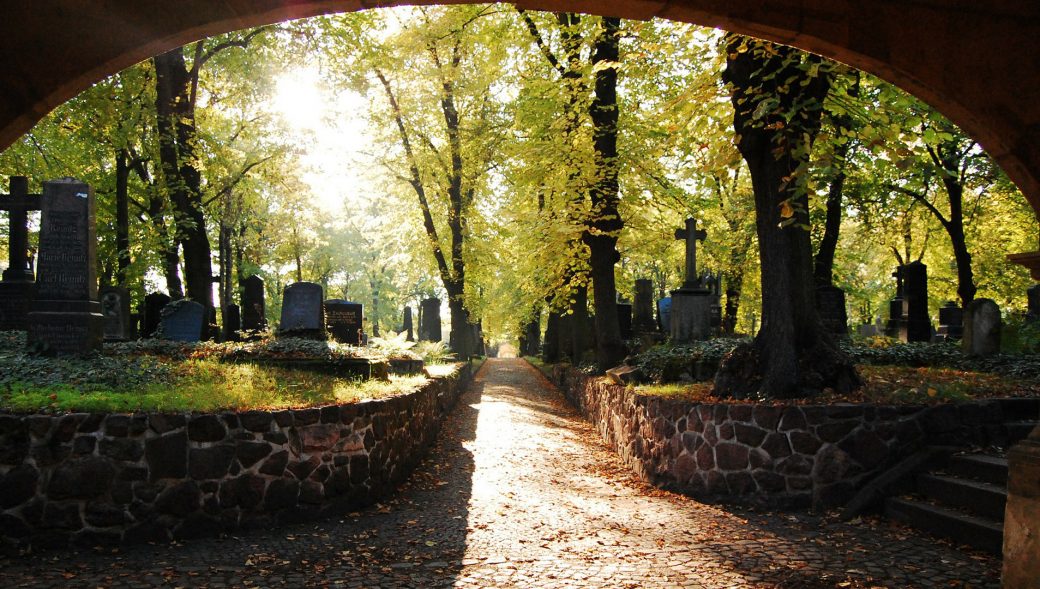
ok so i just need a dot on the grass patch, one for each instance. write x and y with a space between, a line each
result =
206 385
546 369
884 385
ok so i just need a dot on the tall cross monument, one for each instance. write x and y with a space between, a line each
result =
691 235
16 288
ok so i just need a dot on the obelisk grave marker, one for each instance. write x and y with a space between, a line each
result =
66 315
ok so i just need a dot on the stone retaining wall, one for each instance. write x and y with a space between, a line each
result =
90 478
774 454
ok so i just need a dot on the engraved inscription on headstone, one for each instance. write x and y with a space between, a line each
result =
344 320
66 316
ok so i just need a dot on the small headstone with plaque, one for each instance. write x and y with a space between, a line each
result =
344 320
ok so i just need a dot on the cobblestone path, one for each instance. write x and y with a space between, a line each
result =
519 492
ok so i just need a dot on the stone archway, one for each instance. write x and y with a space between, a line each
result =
979 64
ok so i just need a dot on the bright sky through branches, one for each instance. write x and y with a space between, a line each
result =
331 133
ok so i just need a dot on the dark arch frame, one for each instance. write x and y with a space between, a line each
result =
977 62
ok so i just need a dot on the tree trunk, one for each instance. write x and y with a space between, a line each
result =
461 337
122 217
792 355
606 223
955 228
581 339
551 347
824 266
175 111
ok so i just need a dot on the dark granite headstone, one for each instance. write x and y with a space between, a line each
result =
643 307
253 318
430 322
16 288
66 315
915 289
115 306
982 327
344 320
302 313
1033 303
407 326
830 304
896 326
624 313
664 314
182 321
151 312
232 318
951 321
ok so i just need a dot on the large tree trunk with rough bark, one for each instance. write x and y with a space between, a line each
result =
606 224
792 356
175 110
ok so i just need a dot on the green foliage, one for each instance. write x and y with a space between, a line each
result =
944 355
434 352
696 361
393 345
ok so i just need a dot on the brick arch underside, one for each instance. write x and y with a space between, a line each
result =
978 63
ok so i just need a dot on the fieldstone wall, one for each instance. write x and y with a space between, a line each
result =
90 478
773 454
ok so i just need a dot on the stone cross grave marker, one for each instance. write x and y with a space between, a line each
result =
302 311
66 315
691 235
344 321
183 321
16 289
115 306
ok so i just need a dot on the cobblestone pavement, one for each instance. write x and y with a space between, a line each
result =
519 492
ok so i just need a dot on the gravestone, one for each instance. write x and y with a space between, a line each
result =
252 297
624 312
691 314
182 321
729 322
830 304
151 312
915 293
430 321
896 327
115 306
344 320
407 326
951 321
232 322
302 313
16 288
1033 303
66 315
982 325
643 308
868 330
664 314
